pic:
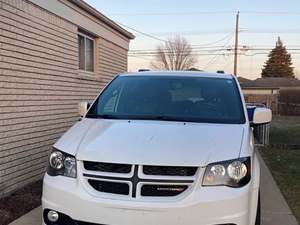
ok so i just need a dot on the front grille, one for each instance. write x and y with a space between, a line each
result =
107 167
162 190
169 170
139 181
110 187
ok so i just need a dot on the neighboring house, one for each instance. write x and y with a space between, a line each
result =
53 54
267 90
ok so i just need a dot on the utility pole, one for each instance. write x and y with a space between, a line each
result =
236 45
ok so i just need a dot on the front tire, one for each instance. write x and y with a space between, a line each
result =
258 216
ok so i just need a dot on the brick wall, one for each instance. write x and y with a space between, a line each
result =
40 86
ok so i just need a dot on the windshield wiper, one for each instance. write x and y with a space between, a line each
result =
142 117
172 118
156 117
104 116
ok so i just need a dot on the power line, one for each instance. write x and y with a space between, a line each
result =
195 47
206 45
171 13
229 62
259 49
201 33
195 50
277 31
242 31
216 54
143 33
192 32
202 49
199 54
190 13
217 41
208 54
163 40
139 57
216 57
272 12
180 51
213 59
267 46
266 53
199 49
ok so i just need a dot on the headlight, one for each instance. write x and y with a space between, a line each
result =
233 173
61 164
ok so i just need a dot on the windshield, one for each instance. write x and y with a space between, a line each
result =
172 98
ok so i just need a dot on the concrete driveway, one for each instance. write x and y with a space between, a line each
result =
275 210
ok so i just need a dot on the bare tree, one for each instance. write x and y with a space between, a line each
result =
174 54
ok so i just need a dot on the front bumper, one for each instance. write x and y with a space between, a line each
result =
201 206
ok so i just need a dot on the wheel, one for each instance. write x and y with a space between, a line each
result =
258 216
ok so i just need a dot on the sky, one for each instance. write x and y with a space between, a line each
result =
204 22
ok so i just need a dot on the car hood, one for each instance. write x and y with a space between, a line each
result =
152 142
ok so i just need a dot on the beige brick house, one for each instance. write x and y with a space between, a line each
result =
53 54
269 91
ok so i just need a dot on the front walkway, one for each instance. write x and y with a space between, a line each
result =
32 218
275 210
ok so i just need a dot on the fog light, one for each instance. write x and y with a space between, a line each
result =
52 216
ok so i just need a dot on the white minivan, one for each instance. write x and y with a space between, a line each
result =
158 148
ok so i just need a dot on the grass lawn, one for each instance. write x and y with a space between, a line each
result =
285 164
285 130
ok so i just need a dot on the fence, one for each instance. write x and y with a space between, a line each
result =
289 109
289 101
262 135
268 100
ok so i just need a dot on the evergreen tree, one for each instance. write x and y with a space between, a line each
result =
279 63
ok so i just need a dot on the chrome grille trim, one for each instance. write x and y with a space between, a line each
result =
137 179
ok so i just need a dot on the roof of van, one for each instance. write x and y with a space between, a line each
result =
179 73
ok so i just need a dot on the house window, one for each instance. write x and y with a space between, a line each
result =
86 52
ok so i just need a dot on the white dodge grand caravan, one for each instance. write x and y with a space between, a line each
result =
158 148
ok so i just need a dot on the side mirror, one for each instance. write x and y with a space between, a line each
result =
83 108
262 116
